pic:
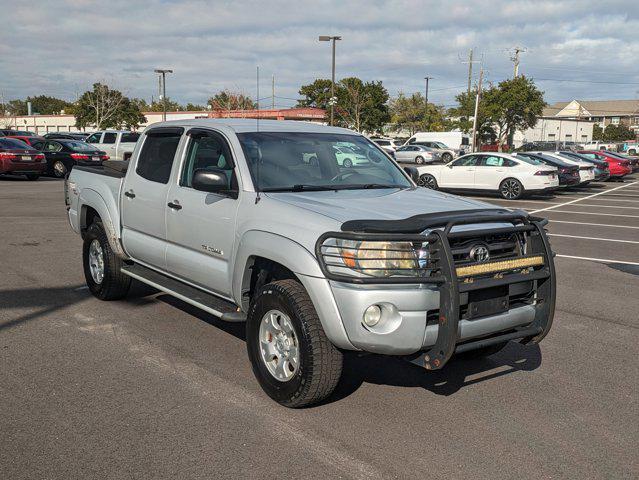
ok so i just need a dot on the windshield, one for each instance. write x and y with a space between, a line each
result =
295 161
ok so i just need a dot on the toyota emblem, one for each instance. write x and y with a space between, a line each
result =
479 253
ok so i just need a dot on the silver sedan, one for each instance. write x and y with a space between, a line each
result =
416 154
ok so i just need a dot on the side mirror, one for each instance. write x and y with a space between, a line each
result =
413 172
210 180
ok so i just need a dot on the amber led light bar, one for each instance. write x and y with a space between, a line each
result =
491 267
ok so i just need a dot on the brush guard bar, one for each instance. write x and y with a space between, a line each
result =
452 280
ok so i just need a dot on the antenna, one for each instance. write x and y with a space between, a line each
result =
257 126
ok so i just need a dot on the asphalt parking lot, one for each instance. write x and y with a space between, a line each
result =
150 387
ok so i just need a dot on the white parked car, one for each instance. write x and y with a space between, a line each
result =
387 144
499 172
586 170
418 154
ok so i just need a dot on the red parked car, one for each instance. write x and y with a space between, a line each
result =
18 158
29 140
619 167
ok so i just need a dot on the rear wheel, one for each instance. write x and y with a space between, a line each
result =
32 176
419 160
102 268
446 157
59 169
511 189
348 163
293 360
428 181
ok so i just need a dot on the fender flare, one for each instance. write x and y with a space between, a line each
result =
295 257
91 198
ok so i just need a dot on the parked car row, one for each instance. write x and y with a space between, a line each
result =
515 175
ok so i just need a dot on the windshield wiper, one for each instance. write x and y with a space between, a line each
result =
301 187
362 186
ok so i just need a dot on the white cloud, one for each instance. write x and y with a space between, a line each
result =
60 48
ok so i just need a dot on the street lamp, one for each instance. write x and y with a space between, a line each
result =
328 38
163 72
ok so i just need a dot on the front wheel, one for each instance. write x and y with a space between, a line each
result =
446 157
428 181
348 163
292 359
102 267
511 189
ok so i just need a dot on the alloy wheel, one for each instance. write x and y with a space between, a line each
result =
279 348
96 261
511 189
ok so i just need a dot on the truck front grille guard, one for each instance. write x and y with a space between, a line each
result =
536 265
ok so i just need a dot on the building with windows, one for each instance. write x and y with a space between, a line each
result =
601 112
552 129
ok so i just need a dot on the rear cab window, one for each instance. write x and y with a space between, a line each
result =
129 137
156 157
110 137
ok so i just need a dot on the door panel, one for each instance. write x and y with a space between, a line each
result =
143 204
460 175
201 233
490 171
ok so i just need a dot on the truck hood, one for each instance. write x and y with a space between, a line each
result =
377 204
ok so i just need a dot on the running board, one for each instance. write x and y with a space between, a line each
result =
227 311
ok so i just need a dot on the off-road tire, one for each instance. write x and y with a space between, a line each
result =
32 176
115 284
320 362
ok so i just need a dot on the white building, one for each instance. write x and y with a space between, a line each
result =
41 124
553 129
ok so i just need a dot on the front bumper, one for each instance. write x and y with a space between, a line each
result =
429 315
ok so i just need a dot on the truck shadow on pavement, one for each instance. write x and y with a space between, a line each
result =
457 374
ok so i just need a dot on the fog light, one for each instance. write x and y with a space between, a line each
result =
372 315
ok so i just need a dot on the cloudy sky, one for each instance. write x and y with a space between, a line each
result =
573 48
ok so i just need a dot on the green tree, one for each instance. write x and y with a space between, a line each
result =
411 114
104 107
515 104
45 105
617 133
360 105
228 100
158 106
194 107
597 132
316 94
15 107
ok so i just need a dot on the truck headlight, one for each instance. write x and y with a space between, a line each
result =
381 258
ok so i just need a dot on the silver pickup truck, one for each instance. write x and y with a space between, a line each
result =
260 223
118 144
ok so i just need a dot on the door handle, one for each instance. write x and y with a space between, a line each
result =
130 194
175 205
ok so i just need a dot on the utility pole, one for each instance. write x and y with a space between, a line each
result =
470 69
426 100
474 140
163 72
515 60
328 38
273 92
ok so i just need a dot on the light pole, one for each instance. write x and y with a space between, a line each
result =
328 38
163 72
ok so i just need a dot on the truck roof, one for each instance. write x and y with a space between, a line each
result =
244 125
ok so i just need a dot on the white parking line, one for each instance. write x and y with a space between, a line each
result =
593 238
593 224
600 199
591 213
580 199
602 260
